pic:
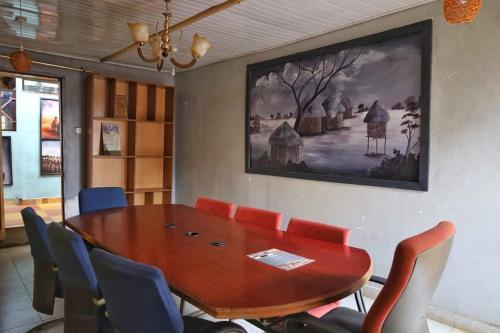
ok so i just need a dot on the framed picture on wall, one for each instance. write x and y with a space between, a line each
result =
51 161
8 109
355 112
50 123
7 161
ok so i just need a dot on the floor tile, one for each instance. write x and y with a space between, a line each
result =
19 318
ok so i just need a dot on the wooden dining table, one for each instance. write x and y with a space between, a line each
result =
205 260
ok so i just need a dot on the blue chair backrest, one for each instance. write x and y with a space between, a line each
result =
37 235
137 296
72 258
100 198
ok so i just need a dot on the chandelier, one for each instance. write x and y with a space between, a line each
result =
162 48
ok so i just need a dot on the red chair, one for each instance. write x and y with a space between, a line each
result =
402 304
260 217
216 207
323 232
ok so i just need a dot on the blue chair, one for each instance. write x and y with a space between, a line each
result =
138 299
46 284
83 307
100 198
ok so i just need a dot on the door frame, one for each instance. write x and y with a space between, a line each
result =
35 75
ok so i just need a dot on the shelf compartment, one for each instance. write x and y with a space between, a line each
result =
109 172
169 104
149 139
148 173
96 140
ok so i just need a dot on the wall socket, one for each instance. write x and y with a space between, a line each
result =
78 130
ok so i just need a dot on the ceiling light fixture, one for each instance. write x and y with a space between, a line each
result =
20 59
462 11
161 44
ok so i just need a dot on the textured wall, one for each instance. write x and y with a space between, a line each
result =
464 158
74 108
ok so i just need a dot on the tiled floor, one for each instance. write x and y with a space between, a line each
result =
51 212
16 289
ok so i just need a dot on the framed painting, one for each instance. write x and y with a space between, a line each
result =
8 109
50 124
50 158
7 177
355 112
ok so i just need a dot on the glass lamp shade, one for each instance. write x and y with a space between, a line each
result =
139 31
200 46
155 47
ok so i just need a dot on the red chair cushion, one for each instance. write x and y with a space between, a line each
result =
324 232
217 207
264 218
319 231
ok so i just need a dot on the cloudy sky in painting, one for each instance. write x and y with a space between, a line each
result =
387 71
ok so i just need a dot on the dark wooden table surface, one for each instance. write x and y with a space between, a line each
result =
223 281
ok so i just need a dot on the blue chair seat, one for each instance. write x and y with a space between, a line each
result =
138 299
100 198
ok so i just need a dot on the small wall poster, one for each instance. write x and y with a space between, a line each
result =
111 139
51 157
50 121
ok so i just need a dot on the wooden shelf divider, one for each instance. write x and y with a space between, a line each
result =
144 169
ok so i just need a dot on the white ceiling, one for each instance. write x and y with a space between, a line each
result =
92 29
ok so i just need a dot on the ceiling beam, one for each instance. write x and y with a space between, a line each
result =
207 12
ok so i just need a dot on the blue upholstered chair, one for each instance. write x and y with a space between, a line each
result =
83 310
100 198
138 299
46 285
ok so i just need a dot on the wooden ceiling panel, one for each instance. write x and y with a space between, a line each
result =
92 29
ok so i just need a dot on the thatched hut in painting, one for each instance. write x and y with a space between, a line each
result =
334 118
376 125
311 123
285 144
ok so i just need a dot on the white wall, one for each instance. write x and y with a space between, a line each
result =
464 159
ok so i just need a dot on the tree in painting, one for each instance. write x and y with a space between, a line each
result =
309 79
329 111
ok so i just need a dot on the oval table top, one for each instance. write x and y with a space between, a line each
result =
223 281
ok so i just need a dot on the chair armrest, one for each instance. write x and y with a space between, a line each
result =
296 323
378 279
224 327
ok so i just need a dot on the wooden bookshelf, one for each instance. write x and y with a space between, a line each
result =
144 168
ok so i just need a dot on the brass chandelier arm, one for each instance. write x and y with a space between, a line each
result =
181 65
206 13
146 59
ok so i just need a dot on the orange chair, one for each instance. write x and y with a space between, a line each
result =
260 217
216 207
323 232
402 304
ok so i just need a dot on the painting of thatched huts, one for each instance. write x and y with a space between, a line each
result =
355 112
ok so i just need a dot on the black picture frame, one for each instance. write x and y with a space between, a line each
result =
7 161
50 169
423 28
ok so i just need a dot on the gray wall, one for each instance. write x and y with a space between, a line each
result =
74 108
464 159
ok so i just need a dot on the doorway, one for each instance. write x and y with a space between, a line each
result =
31 141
